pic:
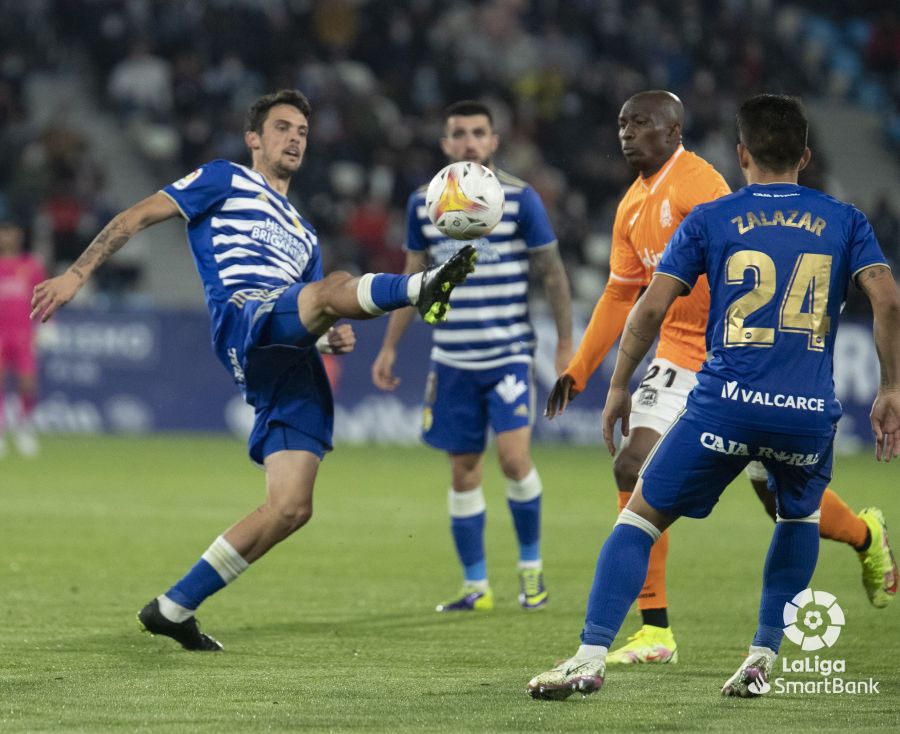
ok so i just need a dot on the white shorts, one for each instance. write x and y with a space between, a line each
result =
661 396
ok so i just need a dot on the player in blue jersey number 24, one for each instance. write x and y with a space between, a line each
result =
779 258
272 310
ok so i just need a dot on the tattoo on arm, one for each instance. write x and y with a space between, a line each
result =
109 241
876 272
548 266
643 343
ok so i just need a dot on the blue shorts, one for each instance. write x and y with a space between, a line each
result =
283 376
460 405
695 460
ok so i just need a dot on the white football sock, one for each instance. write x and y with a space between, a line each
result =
172 611
414 287
226 561
586 652
364 295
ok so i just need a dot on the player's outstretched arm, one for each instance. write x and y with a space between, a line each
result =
640 331
383 367
54 293
879 286
606 325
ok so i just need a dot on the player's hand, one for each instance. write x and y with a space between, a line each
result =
383 369
617 408
51 295
341 339
885 417
563 356
563 392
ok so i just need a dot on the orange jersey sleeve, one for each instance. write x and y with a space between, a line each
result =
604 328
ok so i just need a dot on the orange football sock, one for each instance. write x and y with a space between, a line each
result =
838 522
653 595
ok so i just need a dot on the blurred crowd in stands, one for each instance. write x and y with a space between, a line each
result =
180 74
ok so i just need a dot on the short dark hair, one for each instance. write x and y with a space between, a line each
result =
774 128
258 112
467 108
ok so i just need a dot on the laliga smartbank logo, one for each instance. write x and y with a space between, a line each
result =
813 620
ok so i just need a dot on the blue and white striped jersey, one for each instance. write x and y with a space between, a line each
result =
488 324
247 240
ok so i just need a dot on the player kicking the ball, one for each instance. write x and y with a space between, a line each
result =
272 312
779 258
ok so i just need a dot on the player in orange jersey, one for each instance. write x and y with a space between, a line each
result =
671 182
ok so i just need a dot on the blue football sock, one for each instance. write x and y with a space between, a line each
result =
219 565
621 572
197 584
468 535
389 292
527 520
467 516
789 567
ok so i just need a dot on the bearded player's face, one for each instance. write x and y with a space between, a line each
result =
469 138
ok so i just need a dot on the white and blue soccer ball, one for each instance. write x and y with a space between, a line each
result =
465 200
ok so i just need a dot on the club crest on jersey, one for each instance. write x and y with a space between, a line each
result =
648 397
665 214
183 183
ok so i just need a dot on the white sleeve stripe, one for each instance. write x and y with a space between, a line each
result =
620 279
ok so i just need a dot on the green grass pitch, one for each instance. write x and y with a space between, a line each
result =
335 629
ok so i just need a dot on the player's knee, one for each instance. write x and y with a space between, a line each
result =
625 469
290 517
515 466
466 471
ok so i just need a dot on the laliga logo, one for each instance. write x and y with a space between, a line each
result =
813 619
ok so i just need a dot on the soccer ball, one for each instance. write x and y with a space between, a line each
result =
465 200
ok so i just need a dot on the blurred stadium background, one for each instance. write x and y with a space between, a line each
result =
104 101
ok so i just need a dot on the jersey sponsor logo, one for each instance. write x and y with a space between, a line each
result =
651 259
272 233
510 389
721 445
665 214
731 390
183 183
